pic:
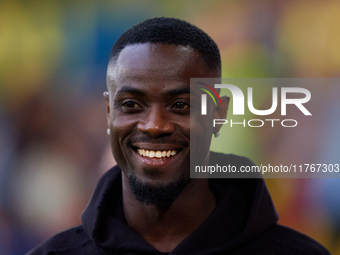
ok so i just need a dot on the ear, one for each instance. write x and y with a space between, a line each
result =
107 99
221 112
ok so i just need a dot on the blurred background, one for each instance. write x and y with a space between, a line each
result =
53 142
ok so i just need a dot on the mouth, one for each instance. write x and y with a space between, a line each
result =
157 154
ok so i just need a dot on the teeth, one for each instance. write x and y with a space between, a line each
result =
156 154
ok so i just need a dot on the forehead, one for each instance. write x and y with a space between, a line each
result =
156 62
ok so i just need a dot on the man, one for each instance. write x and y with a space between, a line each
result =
148 204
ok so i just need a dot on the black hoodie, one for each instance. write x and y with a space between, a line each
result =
244 221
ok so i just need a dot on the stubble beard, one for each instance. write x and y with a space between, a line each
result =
161 196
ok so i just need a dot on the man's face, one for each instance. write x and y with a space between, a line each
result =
149 111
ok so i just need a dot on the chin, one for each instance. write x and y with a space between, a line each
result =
155 193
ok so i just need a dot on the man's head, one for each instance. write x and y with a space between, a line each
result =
171 31
148 80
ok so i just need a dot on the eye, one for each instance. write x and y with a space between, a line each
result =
181 105
131 105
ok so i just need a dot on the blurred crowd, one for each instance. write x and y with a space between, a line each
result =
53 142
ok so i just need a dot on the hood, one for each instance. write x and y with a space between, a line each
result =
243 211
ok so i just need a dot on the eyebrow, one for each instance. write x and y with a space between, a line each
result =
130 90
178 91
138 92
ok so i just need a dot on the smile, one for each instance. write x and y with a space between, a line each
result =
157 154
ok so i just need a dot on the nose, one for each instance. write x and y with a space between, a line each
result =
157 123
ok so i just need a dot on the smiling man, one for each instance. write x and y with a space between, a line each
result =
148 204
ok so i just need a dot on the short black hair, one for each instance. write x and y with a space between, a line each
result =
170 31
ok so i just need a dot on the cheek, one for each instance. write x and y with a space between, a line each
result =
123 124
201 125
183 124
200 136
121 129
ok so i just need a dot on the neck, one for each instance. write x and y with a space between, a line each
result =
166 228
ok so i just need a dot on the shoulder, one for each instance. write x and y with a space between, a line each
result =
283 240
72 241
